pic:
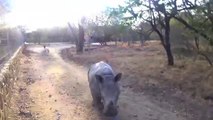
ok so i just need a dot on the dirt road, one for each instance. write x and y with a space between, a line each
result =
58 90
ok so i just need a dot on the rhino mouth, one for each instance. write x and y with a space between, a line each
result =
112 111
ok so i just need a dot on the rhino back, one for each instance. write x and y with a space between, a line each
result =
102 68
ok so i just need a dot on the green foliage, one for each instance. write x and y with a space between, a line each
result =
50 35
180 21
108 27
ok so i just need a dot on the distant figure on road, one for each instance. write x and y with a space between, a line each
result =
46 50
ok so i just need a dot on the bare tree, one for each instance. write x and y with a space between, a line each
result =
79 40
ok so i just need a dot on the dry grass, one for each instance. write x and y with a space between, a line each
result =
188 85
145 68
8 78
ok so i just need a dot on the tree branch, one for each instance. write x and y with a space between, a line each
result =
192 28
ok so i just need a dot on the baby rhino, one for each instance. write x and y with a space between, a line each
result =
103 83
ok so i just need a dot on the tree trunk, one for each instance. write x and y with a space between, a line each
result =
80 42
116 42
129 43
141 39
206 57
167 45
170 57
165 40
201 53
142 43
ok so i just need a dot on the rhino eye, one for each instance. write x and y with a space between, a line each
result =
99 78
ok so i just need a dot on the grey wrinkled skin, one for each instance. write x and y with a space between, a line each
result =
103 83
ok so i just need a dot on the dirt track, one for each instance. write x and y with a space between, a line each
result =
58 90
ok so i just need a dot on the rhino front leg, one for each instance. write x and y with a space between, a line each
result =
97 101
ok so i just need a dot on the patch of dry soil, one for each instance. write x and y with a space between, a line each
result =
58 90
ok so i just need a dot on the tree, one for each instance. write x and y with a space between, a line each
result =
23 32
199 22
37 37
79 39
102 29
144 30
80 42
158 13
55 34
199 19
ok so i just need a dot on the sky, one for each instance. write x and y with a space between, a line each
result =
36 14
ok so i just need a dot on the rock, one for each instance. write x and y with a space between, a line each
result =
25 113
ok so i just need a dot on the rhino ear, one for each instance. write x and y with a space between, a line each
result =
99 78
118 77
